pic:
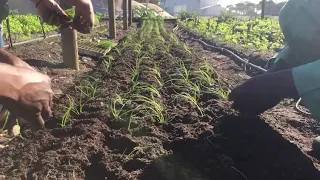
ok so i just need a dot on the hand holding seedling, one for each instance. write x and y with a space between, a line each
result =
25 92
263 92
33 104
83 19
52 14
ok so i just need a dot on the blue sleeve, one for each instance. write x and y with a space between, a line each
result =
1 36
307 83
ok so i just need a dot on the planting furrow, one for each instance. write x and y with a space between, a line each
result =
142 101
188 79
91 92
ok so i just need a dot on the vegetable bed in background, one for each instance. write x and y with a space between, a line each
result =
24 27
264 35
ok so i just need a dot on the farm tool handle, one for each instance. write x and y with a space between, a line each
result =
243 61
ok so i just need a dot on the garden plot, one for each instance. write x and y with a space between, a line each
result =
154 108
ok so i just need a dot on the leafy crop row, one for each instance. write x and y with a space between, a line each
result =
264 35
26 25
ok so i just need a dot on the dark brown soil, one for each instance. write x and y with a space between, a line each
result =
220 145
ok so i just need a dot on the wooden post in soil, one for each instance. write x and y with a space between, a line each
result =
263 7
42 28
112 20
69 45
130 12
125 14
9 32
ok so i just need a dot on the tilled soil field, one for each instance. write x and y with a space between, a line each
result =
156 108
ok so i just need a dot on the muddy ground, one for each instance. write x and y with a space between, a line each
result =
223 145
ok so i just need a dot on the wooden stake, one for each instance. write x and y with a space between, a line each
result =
70 49
130 12
41 23
9 32
263 6
112 21
125 14
69 46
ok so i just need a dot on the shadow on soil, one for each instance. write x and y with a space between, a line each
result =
40 63
243 148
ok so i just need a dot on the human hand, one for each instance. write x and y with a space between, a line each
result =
30 96
263 92
50 12
84 15
34 104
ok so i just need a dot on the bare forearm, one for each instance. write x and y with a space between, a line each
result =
8 89
6 57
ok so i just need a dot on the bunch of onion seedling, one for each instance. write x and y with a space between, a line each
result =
106 62
156 74
192 80
209 80
88 90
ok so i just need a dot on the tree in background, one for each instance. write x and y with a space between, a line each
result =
243 8
248 8
272 8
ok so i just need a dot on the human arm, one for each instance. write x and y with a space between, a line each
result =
263 92
8 58
8 92
26 94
